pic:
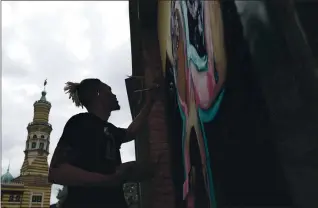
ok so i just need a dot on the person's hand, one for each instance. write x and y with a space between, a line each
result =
142 171
134 172
145 170
126 166
124 170
137 171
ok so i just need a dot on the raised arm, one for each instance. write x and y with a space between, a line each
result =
138 123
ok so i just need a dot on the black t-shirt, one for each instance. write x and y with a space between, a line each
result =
91 144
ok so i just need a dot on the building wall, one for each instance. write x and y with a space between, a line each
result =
25 193
12 196
43 192
160 192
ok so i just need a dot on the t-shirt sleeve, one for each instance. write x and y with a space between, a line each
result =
120 134
71 147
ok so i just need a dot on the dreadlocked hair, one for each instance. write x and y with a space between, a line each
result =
82 94
71 89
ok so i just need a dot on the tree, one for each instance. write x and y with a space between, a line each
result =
131 193
61 196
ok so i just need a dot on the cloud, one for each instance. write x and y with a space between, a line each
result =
60 41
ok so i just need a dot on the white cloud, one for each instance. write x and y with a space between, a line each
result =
117 27
61 41
6 14
18 52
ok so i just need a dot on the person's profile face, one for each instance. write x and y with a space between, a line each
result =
108 98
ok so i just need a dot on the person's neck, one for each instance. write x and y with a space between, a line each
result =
101 113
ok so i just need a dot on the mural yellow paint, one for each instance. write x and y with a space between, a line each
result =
164 31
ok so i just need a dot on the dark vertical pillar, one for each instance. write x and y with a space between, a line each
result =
153 142
161 189
286 72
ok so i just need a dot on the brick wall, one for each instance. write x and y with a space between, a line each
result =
161 187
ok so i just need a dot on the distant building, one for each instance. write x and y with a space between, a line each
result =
31 188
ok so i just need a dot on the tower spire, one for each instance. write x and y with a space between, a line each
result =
44 92
8 170
45 83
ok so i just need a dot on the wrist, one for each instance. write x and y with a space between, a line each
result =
99 179
119 177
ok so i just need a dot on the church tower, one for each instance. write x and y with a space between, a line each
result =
31 188
38 139
35 169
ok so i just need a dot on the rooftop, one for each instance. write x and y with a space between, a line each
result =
7 177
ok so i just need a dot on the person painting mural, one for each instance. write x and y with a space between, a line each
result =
87 157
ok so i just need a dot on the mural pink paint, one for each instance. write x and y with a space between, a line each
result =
198 60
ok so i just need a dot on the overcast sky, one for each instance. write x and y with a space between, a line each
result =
60 41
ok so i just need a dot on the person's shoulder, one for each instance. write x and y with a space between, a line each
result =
80 119
115 129
112 126
77 128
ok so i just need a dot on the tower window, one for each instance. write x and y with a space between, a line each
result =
42 136
36 198
33 145
41 145
34 137
11 197
17 198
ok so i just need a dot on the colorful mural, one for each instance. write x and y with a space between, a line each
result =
233 143
195 49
